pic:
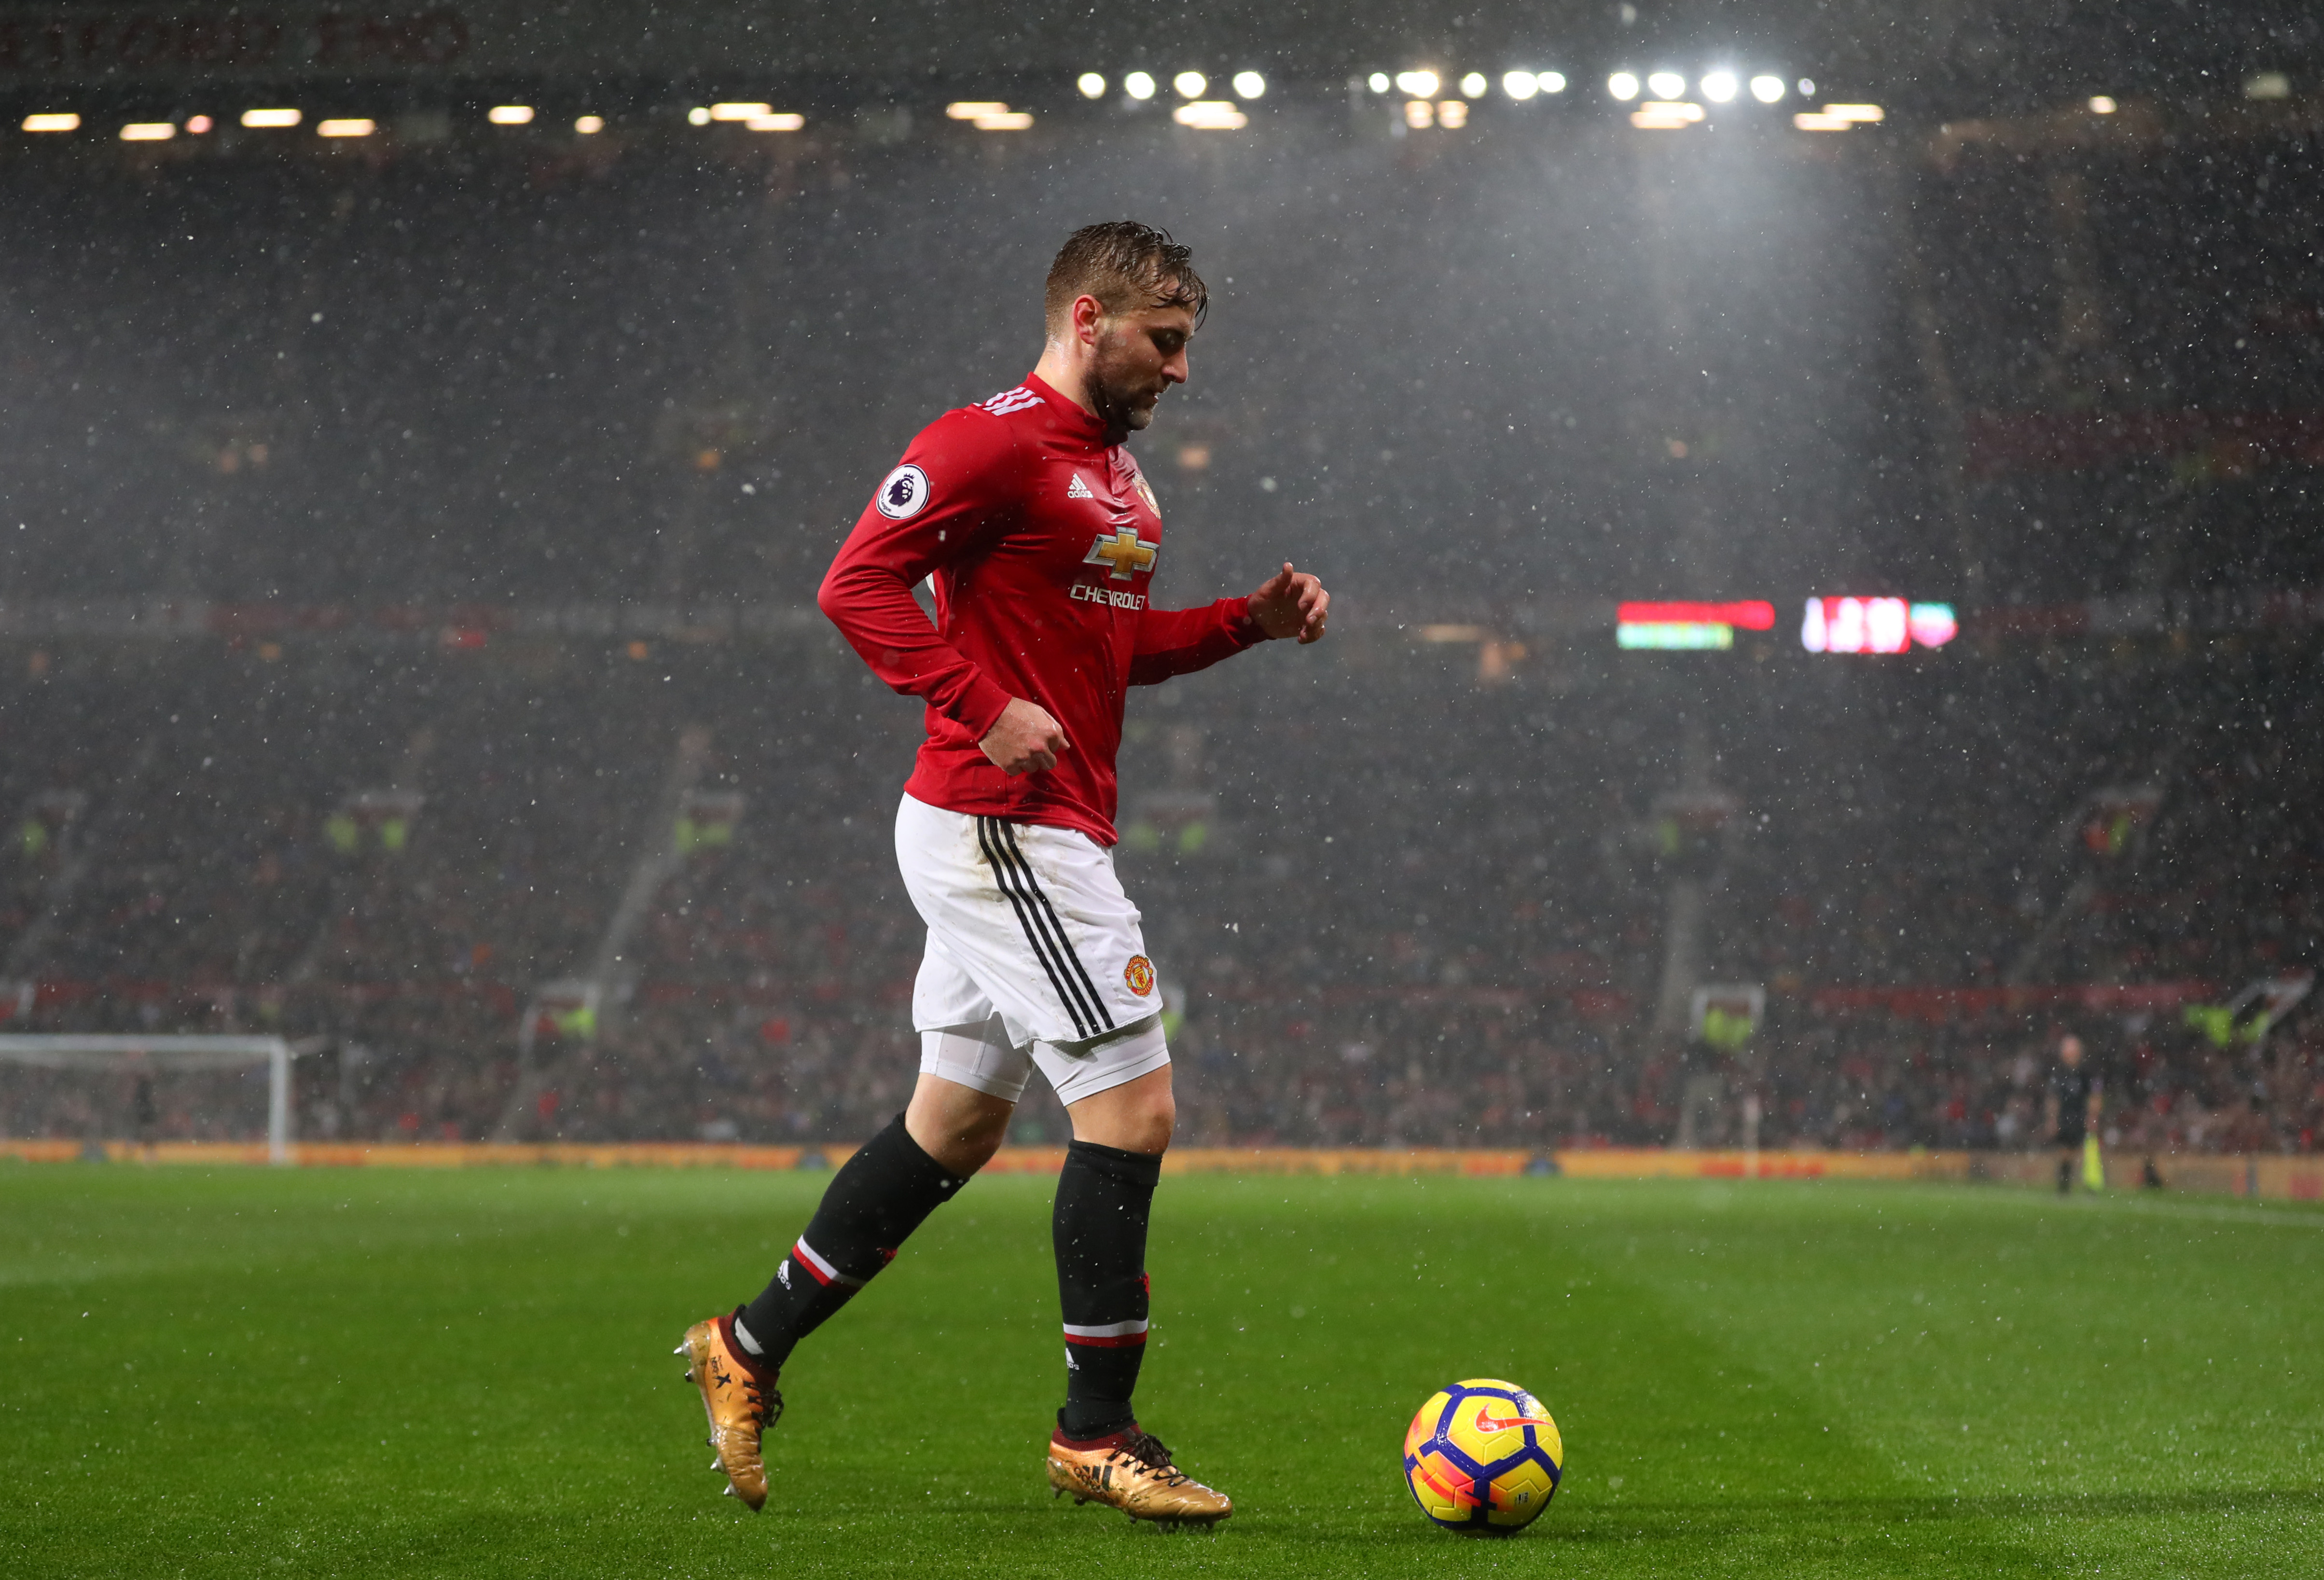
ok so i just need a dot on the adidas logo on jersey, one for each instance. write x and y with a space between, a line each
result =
1019 399
1078 489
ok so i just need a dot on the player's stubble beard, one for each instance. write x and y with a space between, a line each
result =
1124 398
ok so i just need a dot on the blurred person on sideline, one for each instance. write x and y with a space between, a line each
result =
2071 1108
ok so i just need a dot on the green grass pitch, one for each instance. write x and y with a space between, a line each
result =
260 1373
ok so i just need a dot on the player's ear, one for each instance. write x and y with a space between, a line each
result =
1089 314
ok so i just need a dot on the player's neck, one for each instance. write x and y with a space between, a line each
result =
1059 371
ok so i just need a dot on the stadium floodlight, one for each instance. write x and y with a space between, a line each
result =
198 124
1719 86
1191 84
1807 87
263 118
2103 105
740 112
1210 114
1473 85
2268 85
1006 121
63 121
1857 112
1766 90
1418 84
1419 114
1623 85
1249 85
1520 84
699 116
974 109
1666 115
345 126
149 131
589 125
1811 121
1138 85
1379 82
1453 113
514 115
1666 85
119 1055
1550 81
792 121
1092 85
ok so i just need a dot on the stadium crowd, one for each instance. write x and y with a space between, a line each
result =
1358 949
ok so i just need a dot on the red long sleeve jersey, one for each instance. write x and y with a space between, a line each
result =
1041 541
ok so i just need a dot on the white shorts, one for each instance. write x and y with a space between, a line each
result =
1034 957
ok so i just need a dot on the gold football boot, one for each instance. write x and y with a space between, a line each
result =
740 1407
1131 1471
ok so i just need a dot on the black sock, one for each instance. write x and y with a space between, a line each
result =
878 1197
1104 1196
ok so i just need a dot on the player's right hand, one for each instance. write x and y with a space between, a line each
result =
1024 740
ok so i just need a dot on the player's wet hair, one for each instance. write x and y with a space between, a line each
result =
1125 265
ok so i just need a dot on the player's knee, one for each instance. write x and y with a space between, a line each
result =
1137 1117
1162 1123
1148 1126
981 1133
959 1128
975 1149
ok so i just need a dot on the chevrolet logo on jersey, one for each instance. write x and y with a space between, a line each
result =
1125 551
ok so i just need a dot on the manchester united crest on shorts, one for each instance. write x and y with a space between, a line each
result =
1140 975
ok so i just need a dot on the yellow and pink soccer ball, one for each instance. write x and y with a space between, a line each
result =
1483 1456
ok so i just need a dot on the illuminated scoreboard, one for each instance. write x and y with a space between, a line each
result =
1875 625
1681 626
1832 625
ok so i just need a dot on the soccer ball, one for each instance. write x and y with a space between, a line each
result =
1483 1456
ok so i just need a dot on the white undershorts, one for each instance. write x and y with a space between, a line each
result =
1034 957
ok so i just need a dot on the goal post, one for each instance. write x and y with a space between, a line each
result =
172 1054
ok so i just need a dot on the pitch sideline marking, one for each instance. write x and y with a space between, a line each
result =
2163 1209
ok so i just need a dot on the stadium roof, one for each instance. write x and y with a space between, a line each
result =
2046 47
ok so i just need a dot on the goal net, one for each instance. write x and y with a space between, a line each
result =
160 1088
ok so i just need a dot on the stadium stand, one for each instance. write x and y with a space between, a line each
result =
1362 952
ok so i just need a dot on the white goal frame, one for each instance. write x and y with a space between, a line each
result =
69 1051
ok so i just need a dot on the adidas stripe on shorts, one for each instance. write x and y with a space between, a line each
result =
1034 957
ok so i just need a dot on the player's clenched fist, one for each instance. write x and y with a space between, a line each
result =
1291 603
1024 740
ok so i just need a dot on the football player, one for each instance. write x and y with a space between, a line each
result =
1040 538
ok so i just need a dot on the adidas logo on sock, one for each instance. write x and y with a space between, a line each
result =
1079 489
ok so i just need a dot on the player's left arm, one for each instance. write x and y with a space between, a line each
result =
1177 641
